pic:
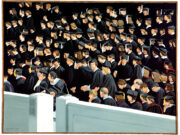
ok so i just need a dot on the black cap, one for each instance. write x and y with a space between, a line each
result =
159 40
155 85
147 48
71 58
132 27
144 95
81 44
150 97
107 43
43 70
18 71
128 45
57 21
93 61
90 30
147 68
120 27
172 27
125 57
79 31
102 55
120 93
163 50
136 58
156 50
169 98
106 64
145 9
113 25
122 9
132 93
56 60
111 55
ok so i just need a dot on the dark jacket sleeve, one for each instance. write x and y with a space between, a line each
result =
58 88
97 80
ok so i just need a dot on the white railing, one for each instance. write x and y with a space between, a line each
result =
34 113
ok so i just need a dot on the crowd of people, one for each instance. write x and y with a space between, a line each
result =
102 55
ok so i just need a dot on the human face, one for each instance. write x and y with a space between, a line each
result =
93 66
10 71
41 77
121 86
129 98
124 61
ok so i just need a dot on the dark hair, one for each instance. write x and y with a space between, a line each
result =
53 74
121 82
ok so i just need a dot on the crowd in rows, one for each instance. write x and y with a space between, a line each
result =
100 55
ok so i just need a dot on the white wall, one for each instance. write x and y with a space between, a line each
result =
91 117
23 113
16 112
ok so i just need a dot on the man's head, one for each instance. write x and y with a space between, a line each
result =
155 87
144 88
70 60
121 84
93 64
137 83
132 95
52 76
93 94
42 73
125 59
150 99
104 92
168 100
10 70
119 96
169 88
56 63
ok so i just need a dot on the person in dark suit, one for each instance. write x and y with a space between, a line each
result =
108 80
57 86
169 106
69 74
7 85
124 70
20 80
97 77
155 59
93 97
111 59
143 97
11 77
102 60
123 86
31 80
58 69
8 31
29 20
130 53
137 72
41 85
131 96
120 99
153 107
158 93
107 100
147 57
84 79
